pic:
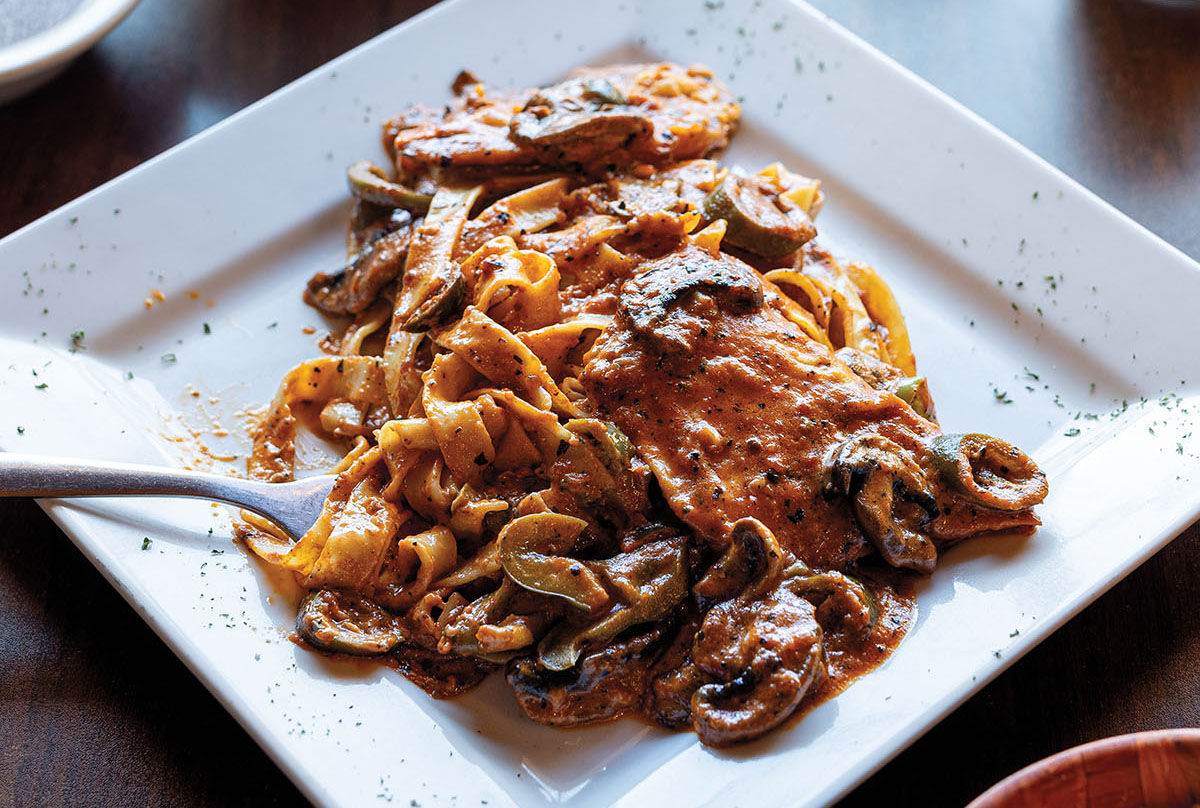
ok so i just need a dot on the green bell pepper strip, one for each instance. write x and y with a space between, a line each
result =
369 183
532 552
754 221
652 580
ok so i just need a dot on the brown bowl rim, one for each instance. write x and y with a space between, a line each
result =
1004 793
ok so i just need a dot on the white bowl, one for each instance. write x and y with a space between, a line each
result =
29 63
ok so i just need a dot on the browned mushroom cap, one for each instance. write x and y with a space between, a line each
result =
989 471
604 683
756 655
382 247
753 556
754 562
347 623
765 655
891 499
651 303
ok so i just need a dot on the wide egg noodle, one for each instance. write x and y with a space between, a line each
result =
346 545
457 425
518 288
354 381
499 356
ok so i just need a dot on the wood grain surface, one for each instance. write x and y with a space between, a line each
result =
95 711
1157 769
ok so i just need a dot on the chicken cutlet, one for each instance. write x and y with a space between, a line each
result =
741 415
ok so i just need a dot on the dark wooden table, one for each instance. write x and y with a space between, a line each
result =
94 710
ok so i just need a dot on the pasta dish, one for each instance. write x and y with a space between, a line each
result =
613 422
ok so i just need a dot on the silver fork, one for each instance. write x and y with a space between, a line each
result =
293 506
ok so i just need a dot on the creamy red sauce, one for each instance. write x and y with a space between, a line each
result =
741 418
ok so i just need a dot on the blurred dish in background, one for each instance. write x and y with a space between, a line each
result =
21 19
40 38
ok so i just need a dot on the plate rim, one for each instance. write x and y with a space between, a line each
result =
247 717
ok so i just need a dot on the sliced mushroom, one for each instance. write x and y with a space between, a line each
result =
755 655
442 676
988 471
676 680
764 655
382 249
347 623
605 682
753 554
841 601
652 302
891 499
369 222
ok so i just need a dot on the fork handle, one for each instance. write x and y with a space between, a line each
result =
293 506
33 476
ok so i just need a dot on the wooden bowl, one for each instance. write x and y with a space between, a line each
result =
1158 769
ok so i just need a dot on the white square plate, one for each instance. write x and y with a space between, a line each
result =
1035 309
